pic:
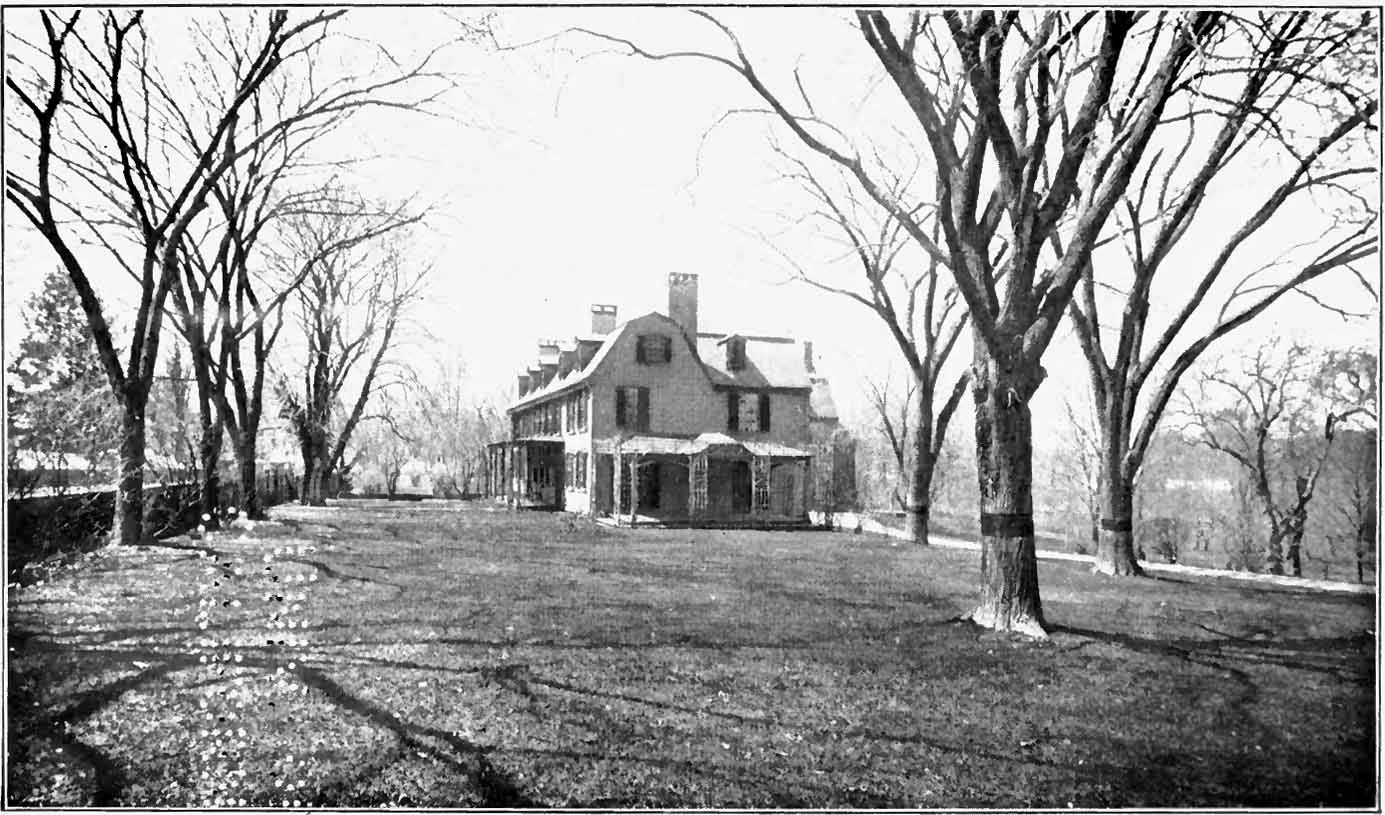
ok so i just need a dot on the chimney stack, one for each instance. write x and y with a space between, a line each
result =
808 356
682 302
548 360
523 385
603 320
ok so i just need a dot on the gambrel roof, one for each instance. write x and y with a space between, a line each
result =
770 363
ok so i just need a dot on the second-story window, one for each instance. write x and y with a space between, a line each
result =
580 402
653 349
747 412
632 408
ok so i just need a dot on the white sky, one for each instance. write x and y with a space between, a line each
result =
566 182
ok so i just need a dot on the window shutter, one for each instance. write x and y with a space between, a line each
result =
668 348
642 409
639 349
733 411
620 407
764 413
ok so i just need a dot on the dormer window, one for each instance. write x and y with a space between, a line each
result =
735 354
653 349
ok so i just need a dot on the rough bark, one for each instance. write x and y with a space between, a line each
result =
1115 551
920 468
1274 554
1004 454
250 505
208 461
1294 547
127 527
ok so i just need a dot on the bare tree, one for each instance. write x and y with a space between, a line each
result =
92 97
892 416
350 307
456 422
1076 468
1279 427
1283 65
923 317
1010 105
1353 488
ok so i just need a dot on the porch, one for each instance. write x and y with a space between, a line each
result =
712 480
526 474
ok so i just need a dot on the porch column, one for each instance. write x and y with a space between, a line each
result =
800 488
697 485
617 476
634 486
759 485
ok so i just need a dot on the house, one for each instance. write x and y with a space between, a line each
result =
654 421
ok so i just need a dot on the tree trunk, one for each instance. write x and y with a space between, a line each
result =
127 527
208 461
1274 556
1004 464
315 483
249 490
1294 538
921 469
1115 551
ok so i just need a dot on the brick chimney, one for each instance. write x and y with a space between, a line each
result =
523 385
808 356
682 302
548 360
603 320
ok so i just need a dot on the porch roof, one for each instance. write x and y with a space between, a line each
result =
665 445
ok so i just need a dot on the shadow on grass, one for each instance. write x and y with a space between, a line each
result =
109 779
496 789
1344 658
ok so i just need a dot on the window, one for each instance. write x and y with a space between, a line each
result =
632 408
735 353
579 472
569 415
582 410
748 412
653 349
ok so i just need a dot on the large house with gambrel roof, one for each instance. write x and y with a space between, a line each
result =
653 421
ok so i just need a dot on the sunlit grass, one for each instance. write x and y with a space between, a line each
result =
446 655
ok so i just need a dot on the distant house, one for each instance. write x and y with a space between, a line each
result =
654 421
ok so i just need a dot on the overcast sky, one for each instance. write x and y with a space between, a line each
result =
566 178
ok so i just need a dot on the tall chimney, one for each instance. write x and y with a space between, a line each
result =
603 320
523 385
682 302
808 356
548 360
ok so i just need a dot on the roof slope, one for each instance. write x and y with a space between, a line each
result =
770 362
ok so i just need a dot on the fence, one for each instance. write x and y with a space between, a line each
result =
42 526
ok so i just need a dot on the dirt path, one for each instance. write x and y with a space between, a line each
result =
850 521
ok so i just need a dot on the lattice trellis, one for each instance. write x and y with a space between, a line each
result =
697 496
623 484
759 476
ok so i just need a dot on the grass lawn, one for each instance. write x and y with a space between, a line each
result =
442 654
